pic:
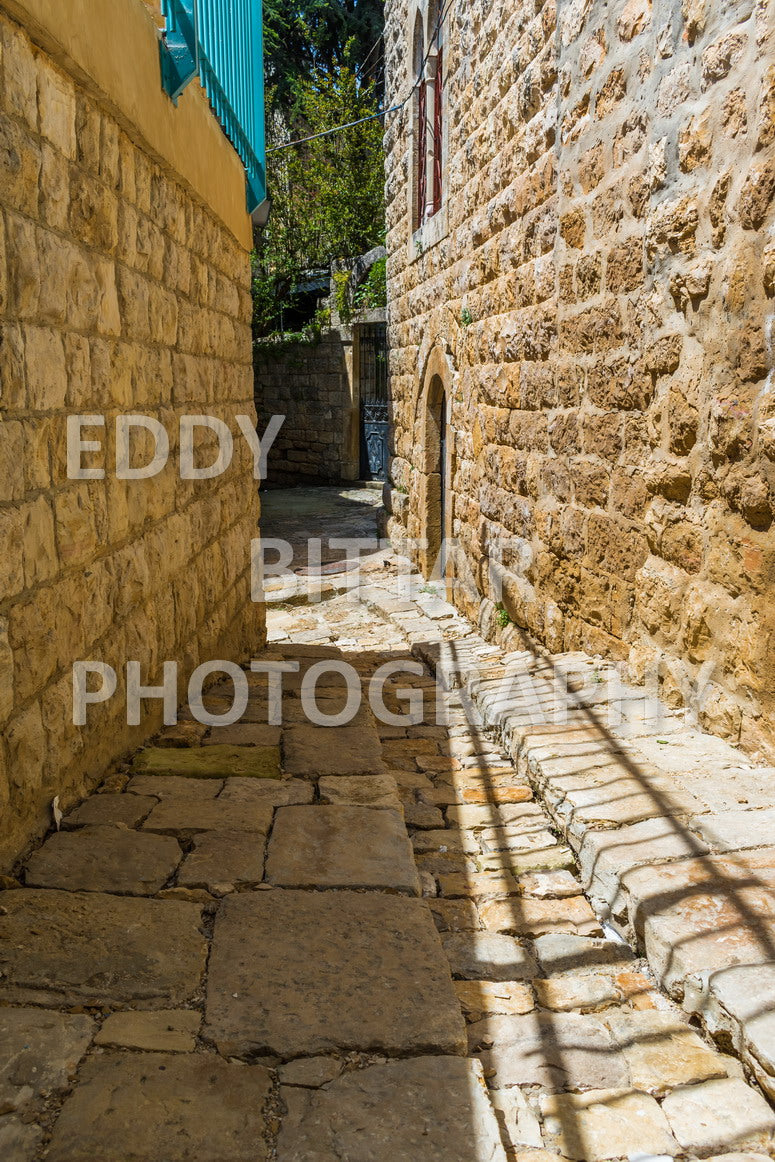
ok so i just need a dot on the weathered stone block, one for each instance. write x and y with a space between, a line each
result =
381 1113
261 762
308 972
606 1124
87 948
557 1051
166 1030
224 857
41 1052
194 1105
312 847
718 1115
104 859
180 816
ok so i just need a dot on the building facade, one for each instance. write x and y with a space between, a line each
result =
124 290
581 275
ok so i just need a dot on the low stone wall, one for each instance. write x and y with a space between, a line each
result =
120 292
595 302
310 384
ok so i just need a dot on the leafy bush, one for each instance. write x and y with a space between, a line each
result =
372 292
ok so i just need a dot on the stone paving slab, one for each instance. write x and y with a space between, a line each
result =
544 859
422 816
163 1030
341 847
718 1115
270 792
464 793
516 843
488 956
554 885
244 734
234 858
557 1051
480 998
455 915
310 751
516 840
110 808
186 816
527 817
256 712
698 916
743 997
564 952
662 1052
606 856
297 973
360 791
736 830
526 917
19 1141
479 885
589 993
430 1109
210 762
104 859
605 800
310 1072
327 704
607 1124
153 1106
39 1054
73 948
173 787
185 732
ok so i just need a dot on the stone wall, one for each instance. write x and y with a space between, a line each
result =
310 384
120 292
596 300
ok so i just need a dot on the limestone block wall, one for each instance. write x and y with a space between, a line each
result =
121 292
310 384
598 306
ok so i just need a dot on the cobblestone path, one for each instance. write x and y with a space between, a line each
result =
357 943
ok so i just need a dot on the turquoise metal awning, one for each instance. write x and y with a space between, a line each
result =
221 42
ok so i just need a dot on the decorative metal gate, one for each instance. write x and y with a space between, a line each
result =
372 353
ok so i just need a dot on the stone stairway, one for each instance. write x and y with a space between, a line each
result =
674 829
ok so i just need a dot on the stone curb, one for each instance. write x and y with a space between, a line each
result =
662 817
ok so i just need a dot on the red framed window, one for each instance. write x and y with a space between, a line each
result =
437 134
422 151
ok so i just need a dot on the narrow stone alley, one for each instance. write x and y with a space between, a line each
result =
387 635
361 942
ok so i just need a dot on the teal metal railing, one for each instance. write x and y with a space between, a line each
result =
221 42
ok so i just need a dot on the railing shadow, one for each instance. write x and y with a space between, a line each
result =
718 878
554 1052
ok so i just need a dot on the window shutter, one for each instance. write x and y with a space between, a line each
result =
422 152
437 135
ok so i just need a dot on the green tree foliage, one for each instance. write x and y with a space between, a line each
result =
328 194
302 37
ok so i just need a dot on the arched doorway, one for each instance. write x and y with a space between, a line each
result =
434 514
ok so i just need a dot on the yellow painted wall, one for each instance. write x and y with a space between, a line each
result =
111 48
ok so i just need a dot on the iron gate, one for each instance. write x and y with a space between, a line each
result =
372 356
